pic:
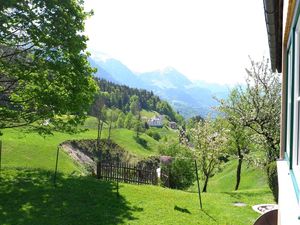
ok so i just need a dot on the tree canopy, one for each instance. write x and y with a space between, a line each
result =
44 72
210 143
257 106
120 96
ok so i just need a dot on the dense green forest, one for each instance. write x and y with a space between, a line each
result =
118 96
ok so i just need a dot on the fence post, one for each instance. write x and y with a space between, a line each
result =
118 165
56 164
0 156
98 169
199 194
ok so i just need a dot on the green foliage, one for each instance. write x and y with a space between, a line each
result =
141 141
258 106
154 134
134 105
273 179
44 71
253 113
209 141
121 120
149 163
181 171
192 121
164 108
138 127
130 99
129 121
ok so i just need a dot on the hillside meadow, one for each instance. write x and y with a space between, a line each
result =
28 196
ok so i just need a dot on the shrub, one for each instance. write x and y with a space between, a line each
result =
142 142
273 179
181 171
149 163
155 135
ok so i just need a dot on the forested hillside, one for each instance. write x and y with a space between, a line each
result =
118 96
190 98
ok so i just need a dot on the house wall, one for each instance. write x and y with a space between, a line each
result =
289 166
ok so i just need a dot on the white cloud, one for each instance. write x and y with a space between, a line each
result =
206 40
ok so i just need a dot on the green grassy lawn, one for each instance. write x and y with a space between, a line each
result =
251 179
170 134
28 197
148 114
31 150
127 139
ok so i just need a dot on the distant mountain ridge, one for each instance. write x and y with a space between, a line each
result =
188 97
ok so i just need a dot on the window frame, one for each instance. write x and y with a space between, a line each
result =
296 103
289 99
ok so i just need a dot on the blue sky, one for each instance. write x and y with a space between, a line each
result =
205 40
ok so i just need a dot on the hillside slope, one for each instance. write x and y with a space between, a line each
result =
31 150
27 195
252 178
29 198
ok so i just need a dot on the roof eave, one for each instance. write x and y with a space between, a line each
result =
273 16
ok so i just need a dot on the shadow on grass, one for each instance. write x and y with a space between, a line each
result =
206 213
245 194
29 197
183 210
142 142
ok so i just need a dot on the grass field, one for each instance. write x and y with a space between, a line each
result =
28 197
31 150
148 114
224 181
27 194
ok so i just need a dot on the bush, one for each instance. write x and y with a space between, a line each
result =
155 135
181 172
273 179
142 142
149 163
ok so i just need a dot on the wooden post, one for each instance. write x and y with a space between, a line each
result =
56 164
118 165
199 194
0 155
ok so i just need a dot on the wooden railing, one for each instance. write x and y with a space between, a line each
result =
125 172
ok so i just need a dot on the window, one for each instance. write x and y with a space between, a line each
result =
296 142
289 101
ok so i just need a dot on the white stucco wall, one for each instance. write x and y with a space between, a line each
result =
289 209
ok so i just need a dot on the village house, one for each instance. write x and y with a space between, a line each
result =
156 121
173 125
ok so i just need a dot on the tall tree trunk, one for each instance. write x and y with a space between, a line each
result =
238 173
205 184
138 125
109 131
138 131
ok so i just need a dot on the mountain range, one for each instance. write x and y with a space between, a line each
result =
189 98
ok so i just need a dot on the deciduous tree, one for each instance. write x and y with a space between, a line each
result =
257 105
44 72
209 142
